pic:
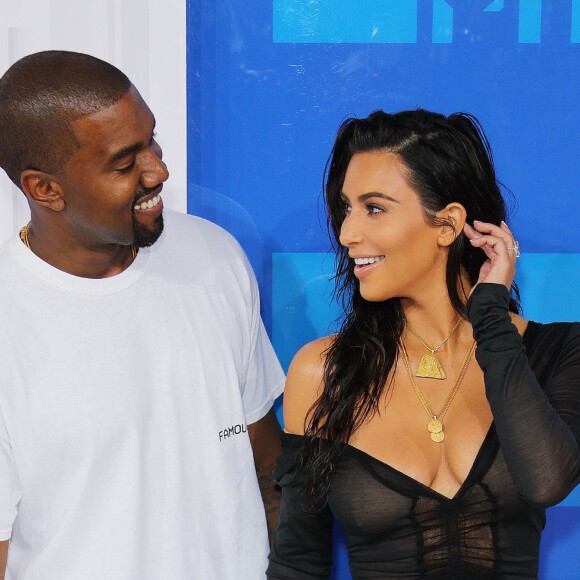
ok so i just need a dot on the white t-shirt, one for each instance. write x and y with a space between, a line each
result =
124 405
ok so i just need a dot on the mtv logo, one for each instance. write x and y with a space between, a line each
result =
396 21
334 21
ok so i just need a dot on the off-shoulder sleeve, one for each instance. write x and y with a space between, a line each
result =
538 428
302 544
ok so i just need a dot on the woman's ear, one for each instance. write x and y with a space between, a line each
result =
42 189
454 215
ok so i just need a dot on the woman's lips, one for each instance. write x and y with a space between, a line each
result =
361 270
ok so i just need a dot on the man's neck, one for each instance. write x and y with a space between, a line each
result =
101 262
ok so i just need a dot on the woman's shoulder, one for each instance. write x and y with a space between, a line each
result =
559 337
565 331
304 383
520 322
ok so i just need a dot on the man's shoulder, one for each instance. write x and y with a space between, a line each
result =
7 263
185 229
200 244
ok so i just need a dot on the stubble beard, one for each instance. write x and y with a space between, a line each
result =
144 236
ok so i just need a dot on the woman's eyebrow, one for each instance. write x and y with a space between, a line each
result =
378 194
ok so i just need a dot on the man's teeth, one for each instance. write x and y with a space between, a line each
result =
365 261
148 204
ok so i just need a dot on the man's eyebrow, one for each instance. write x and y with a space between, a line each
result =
125 152
129 150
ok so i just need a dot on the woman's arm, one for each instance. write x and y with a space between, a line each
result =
539 431
302 544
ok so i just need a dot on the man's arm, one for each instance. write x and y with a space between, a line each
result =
3 557
265 439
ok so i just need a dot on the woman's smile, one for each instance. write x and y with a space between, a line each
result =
364 266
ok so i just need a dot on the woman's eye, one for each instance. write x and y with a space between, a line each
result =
346 208
375 209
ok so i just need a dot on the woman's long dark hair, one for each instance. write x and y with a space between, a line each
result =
447 159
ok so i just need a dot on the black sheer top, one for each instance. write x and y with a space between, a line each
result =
397 528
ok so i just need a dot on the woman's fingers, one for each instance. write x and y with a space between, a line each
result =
482 242
492 246
473 235
502 232
506 229
487 228
497 243
470 232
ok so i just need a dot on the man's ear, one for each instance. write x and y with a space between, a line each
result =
42 189
455 215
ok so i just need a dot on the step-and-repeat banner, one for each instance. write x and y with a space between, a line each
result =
269 82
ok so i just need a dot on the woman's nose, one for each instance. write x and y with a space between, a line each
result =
350 231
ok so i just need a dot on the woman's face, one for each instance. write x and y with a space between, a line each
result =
396 252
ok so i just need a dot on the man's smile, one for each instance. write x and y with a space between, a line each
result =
150 203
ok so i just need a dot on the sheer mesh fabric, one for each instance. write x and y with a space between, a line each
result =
397 528
457 538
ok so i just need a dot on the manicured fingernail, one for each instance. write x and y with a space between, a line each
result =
477 222
503 223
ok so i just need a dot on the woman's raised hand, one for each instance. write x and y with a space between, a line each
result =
500 248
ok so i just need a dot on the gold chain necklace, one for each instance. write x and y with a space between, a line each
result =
24 237
429 366
435 424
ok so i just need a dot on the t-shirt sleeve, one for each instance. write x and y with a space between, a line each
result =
264 378
538 428
9 484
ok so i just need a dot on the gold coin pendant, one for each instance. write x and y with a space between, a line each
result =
438 437
434 426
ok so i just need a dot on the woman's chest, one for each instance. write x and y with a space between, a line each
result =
439 454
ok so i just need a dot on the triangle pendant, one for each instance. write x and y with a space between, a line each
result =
430 368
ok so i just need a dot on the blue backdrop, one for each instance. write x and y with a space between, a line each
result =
269 81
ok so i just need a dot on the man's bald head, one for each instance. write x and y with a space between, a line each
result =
40 97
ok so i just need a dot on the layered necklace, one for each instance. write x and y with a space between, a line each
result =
429 366
435 424
24 237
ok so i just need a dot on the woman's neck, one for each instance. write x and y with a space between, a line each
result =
432 315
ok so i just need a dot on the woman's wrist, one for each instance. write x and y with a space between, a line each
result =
488 312
487 295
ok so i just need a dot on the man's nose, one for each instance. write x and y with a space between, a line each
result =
155 170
